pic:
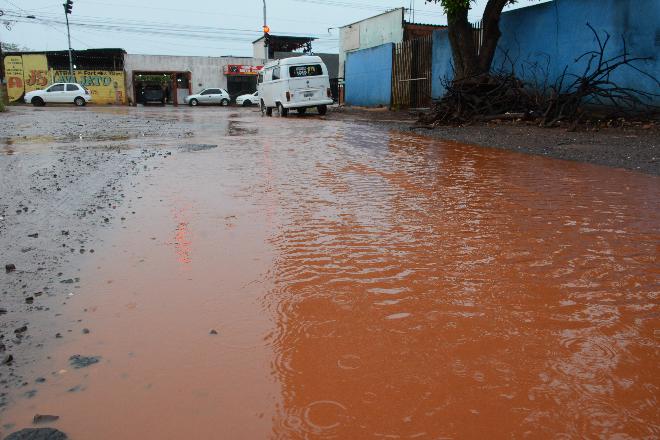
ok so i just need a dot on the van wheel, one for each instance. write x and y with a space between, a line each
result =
302 110
79 102
323 109
283 112
37 102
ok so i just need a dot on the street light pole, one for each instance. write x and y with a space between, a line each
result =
2 62
68 6
265 38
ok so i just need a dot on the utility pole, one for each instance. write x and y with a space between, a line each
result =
68 7
266 31
2 70
2 61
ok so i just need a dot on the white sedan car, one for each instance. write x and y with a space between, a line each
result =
248 100
59 93
208 96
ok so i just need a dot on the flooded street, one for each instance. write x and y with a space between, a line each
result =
312 278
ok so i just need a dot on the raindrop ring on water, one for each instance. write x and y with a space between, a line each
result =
323 406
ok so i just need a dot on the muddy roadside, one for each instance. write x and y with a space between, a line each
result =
65 176
634 147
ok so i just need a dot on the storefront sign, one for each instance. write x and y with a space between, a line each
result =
106 87
239 69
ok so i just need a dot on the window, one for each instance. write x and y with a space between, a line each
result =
307 70
276 73
72 88
210 92
57 88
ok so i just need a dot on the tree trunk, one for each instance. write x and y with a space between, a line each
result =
491 35
463 49
467 62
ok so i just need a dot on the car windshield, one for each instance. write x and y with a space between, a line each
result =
306 70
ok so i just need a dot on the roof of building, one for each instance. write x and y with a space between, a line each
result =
88 59
287 39
374 16
84 52
409 23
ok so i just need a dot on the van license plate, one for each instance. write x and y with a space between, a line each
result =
308 94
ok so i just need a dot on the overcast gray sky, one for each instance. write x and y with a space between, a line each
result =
193 27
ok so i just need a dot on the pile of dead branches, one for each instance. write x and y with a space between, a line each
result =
481 98
502 96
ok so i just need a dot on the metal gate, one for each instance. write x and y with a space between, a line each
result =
411 73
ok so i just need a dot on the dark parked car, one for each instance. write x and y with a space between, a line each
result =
153 94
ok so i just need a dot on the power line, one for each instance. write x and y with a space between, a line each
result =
51 26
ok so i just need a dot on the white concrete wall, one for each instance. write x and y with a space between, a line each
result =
206 71
370 32
258 49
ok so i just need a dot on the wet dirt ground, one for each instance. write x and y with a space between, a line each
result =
316 278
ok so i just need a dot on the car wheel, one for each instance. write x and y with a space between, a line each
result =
224 102
247 103
323 109
302 110
193 102
37 102
79 101
281 111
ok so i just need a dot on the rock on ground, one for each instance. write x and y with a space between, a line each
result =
37 434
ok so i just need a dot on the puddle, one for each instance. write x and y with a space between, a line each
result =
364 284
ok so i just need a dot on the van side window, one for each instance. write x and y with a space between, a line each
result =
276 73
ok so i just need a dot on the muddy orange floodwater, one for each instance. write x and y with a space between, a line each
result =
364 284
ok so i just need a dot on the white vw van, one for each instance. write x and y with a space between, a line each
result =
294 83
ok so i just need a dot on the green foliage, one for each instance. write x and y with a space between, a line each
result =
454 6
13 47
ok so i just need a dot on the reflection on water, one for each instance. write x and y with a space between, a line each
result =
437 291
365 284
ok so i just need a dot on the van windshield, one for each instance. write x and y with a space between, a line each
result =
307 70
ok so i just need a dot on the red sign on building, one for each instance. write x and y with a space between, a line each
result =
239 69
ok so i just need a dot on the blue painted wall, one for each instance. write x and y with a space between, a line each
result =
550 36
368 76
442 65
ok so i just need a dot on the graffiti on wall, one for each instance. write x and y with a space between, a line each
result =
25 73
106 87
35 72
14 76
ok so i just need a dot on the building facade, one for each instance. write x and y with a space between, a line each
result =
185 75
101 71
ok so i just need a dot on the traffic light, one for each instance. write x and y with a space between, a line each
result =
68 6
266 34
